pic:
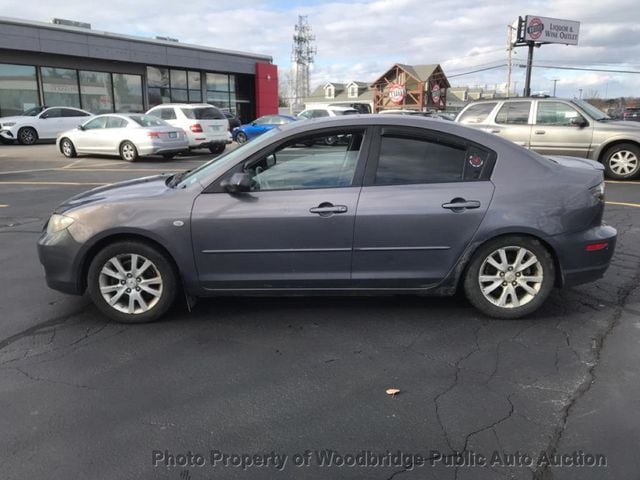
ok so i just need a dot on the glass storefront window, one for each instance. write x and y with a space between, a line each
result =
18 89
194 81
158 77
128 93
60 87
95 92
179 95
178 79
218 82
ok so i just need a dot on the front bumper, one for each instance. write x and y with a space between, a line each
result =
7 134
59 253
577 264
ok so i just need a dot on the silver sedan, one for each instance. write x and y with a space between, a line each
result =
129 136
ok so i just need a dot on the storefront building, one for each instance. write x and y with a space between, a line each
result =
48 64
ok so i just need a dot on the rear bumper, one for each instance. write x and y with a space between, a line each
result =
577 264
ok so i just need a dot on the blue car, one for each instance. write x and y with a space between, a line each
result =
251 130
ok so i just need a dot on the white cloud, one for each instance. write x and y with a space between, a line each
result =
359 40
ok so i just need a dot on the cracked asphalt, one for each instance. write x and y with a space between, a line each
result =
85 398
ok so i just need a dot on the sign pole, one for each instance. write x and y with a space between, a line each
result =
527 82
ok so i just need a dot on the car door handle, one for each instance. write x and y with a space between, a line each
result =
328 209
459 204
494 130
540 132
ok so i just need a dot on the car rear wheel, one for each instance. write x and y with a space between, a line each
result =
128 152
241 137
217 148
27 136
168 156
510 277
132 282
622 161
67 148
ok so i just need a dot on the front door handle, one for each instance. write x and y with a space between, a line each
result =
460 204
540 132
494 130
326 209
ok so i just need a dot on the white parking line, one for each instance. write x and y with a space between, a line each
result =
624 204
624 182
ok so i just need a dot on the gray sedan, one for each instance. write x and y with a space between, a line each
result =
400 205
129 135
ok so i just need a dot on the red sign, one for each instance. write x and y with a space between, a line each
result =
397 93
435 94
535 28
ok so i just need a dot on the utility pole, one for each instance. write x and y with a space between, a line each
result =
510 29
302 55
555 80
527 79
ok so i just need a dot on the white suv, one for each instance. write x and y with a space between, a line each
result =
40 123
204 124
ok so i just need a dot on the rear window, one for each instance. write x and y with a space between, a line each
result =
345 112
477 113
203 113
148 121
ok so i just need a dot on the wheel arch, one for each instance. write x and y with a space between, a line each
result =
463 265
612 143
92 251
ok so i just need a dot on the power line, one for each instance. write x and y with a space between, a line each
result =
478 70
556 67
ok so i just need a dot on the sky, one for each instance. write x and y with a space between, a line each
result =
360 40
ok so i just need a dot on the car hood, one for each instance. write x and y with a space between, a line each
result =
12 119
575 162
144 187
619 126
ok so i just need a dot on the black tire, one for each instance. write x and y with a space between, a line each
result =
622 161
128 151
544 268
217 148
160 266
67 148
241 137
27 136
168 156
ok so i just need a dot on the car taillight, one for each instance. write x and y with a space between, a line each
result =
197 128
153 135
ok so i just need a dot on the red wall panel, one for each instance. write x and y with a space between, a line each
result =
266 89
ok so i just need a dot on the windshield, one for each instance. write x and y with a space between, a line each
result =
591 110
227 159
33 111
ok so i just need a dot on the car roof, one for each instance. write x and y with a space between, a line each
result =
184 105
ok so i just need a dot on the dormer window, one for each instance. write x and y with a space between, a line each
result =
329 91
353 91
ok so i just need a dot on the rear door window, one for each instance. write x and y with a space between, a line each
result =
408 161
514 113
477 113
116 122
167 114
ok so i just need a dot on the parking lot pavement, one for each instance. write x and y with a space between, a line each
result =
86 398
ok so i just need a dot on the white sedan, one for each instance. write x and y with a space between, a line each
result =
40 123
129 136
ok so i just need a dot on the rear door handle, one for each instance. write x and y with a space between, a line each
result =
540 132
460 204
326 208
494 130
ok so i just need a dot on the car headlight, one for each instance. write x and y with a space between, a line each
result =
9 124
58 223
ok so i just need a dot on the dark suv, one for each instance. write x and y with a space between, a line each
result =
554 126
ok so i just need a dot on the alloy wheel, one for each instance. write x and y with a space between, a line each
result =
128 152
67 148
130 283
623 162
28 136
510 277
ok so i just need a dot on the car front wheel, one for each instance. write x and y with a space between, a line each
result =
241 137
67 148
217 148
510 277
132 282
27 136
622 161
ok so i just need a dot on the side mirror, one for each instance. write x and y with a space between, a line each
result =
81 127
253 124
238 183
578 121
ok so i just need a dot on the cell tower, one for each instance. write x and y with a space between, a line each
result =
302 56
